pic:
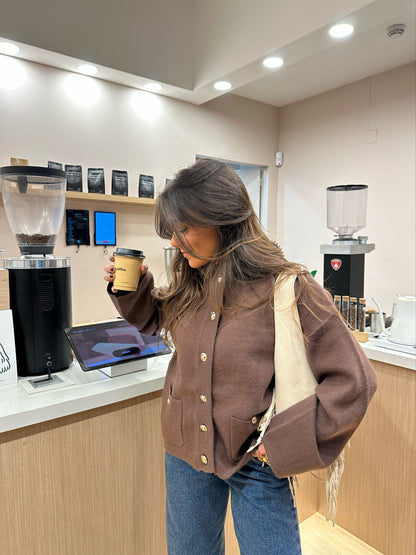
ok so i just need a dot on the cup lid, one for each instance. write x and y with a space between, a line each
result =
129 252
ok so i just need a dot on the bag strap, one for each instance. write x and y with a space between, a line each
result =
294 379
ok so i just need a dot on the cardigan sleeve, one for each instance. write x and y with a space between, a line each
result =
312 433
139 307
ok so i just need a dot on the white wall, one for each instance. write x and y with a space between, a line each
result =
323 141
40 122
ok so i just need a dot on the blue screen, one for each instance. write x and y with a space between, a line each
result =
105 228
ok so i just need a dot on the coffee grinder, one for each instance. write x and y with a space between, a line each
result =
39 283
344 259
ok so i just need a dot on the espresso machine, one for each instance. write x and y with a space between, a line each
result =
39 282
344 258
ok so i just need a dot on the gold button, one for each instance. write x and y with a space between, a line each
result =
204 459
168 401
203 357
203 428
254 420
203 398
213 315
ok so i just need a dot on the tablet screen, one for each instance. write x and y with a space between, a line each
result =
103 344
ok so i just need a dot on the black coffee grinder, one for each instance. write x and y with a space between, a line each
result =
344 259
39 283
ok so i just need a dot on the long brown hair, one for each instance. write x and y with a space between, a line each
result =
211 194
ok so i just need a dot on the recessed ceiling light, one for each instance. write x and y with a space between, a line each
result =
272 62
88 69
222 85
341 31
9 48
153 87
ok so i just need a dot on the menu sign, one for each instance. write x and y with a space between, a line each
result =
119 183
8 367
146 186
96 180
73 178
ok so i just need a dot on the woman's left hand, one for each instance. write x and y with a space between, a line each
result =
260 454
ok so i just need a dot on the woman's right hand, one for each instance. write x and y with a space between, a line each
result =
110 271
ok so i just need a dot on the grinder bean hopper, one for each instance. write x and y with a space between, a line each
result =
39 283
344 258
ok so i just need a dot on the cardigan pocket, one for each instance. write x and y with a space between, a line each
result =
242 433
172 413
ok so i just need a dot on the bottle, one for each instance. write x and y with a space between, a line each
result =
337 302
353 313
361 314
345 307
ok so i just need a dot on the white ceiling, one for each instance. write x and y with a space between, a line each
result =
186 45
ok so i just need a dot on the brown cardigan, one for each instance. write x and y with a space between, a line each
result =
221 377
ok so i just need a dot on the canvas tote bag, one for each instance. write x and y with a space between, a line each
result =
294 379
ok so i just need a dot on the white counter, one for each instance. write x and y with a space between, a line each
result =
89 390
93 389
389 356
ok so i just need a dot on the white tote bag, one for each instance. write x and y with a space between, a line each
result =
294 379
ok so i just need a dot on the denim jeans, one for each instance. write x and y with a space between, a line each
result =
265 519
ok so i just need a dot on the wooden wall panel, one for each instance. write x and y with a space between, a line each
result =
377 501
90 483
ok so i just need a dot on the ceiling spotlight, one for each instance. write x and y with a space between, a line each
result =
273 62
153 87
88 69
341 31
9 48
396 30
222 85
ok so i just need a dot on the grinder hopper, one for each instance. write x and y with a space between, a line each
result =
34 201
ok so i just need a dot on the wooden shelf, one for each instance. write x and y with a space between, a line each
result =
117 199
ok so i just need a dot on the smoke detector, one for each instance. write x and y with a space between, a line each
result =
396 30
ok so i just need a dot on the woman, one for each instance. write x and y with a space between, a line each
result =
218 310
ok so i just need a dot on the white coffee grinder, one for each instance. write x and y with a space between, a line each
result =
344 258
39 283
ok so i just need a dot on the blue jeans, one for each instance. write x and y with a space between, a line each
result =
265 519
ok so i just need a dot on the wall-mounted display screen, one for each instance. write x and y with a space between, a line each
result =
105 228
77 227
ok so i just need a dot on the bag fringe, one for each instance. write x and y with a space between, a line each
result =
333 480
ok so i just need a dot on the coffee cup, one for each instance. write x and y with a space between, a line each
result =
127 264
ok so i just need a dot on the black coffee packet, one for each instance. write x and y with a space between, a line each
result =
55 165
96 180
73 177
119 183
146 186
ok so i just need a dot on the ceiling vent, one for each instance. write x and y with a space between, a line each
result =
396 30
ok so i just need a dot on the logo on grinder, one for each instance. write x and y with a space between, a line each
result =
336 264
